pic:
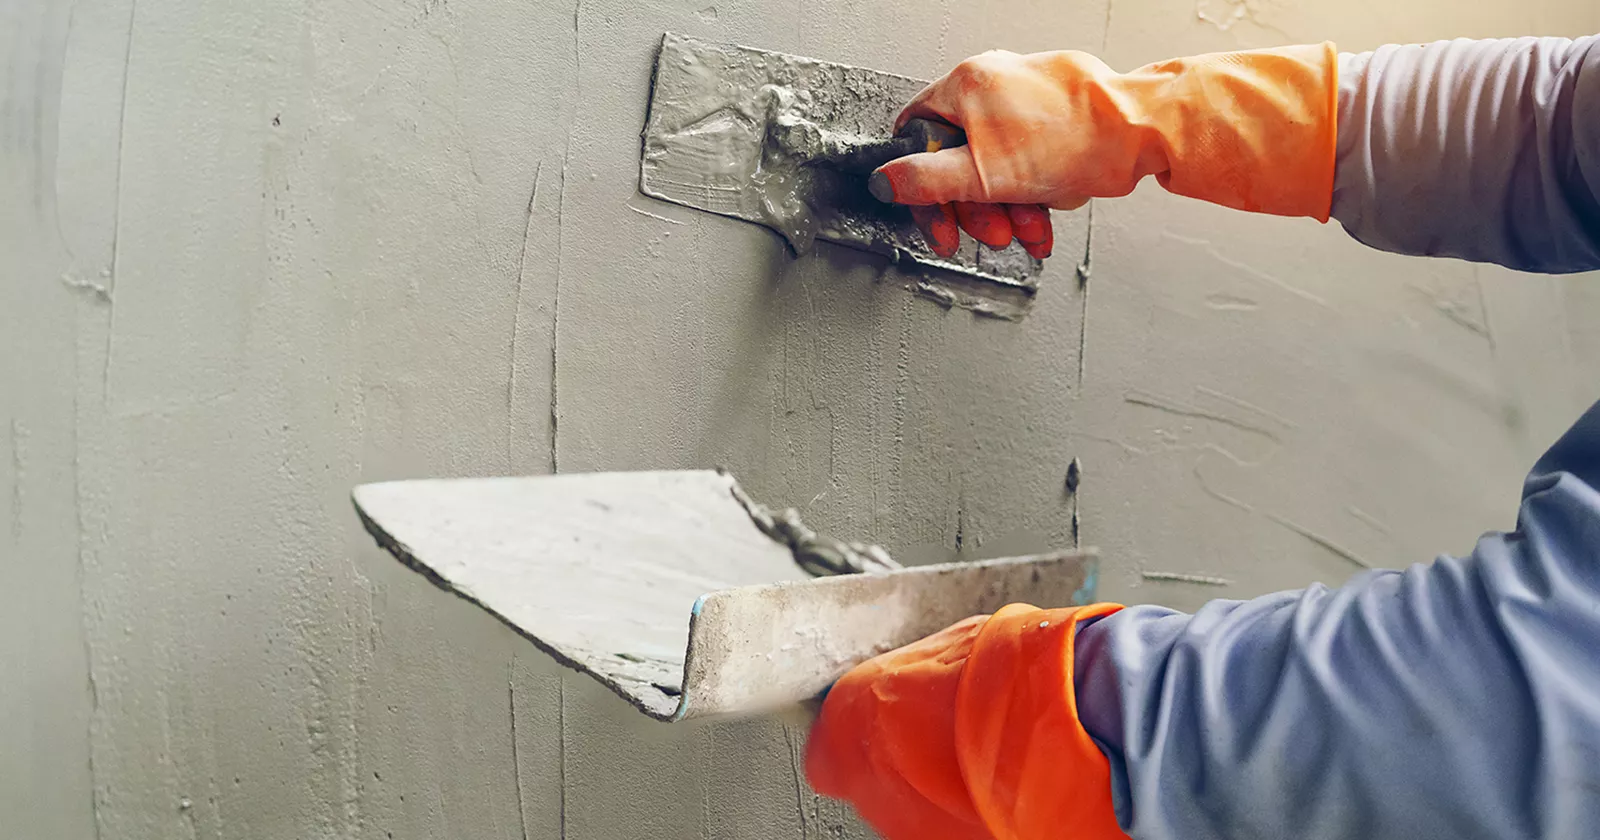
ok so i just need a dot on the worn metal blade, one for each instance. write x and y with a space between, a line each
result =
762 648
719 138
662 587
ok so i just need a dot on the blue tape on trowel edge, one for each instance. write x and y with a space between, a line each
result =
1091 582
683 698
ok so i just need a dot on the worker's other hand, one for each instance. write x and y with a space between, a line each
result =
969 734
885 740
1250 130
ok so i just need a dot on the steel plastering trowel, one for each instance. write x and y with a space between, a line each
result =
679 593
788 142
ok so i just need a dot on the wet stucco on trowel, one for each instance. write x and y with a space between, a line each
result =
681 594
745 132
257 253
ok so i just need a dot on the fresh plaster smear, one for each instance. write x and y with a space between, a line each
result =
741 132
255 254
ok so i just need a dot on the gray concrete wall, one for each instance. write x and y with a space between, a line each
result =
252 254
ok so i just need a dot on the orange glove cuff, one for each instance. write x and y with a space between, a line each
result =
1031 770
1263 140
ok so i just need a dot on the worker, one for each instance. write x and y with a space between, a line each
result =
1457 699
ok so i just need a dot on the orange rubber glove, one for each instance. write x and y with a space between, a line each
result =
969 734
1250 130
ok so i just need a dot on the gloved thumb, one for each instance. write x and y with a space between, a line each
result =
929 178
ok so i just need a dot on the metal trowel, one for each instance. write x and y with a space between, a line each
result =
788 142
678 592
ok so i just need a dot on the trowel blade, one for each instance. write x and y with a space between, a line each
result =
662 587
709 144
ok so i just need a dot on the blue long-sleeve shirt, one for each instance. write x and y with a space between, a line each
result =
1484 150
1457 700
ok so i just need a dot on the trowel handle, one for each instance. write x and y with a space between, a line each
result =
915 137
929 136
859 156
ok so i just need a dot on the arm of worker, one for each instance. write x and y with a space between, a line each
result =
1484 150
1458 699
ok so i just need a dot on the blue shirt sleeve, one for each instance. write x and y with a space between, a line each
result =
1484 150
1456 700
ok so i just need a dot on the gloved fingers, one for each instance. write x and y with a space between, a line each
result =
938 225
987 223
884 740
1031 225
992 224
836 761
929 178
995 225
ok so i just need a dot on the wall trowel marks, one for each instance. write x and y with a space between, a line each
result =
739 132
253 254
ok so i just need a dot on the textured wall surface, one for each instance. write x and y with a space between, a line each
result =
252 254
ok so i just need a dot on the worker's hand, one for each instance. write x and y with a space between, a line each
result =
885 741
999 185
1249 130
969 734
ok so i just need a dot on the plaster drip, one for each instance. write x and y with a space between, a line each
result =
1223 23
655 216
1483 306
1185 577
1174 407
516 316
1085 269
1319 539
944 32
1281 521
17 436
1073 481
555 323
1455 312
1214 493
99 291
561 235
116 212
799 786
1242 269
894 477
1246 405
82 515
1372 521
819 555
561 764
1224 302
516 760
1242 11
